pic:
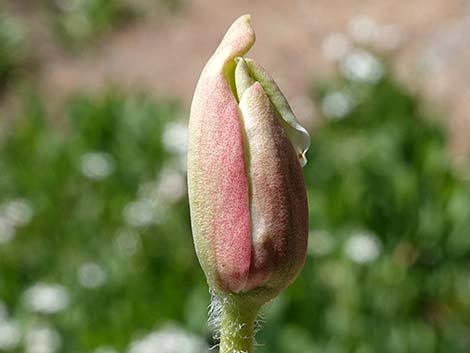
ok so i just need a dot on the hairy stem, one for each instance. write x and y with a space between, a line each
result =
237 327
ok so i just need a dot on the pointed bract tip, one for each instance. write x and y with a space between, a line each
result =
246 18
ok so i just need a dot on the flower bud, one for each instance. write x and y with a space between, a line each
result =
246 189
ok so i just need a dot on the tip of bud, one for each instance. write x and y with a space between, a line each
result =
246 18
238 39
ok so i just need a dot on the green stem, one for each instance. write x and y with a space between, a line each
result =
237 327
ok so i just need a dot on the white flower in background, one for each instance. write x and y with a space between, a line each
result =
139 213
144 212
105 349
363 247
150 206
337 104
148 190
10 335
175 137
13 213
335 46
171 185
363 29
127 242
320 243
42 339
169 340
18 211
360 65
91 275
46 298
7 230
175 140
96 165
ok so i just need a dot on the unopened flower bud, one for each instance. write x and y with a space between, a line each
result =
246 189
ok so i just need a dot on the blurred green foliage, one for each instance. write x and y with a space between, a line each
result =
80 217
76 23
388 266
79 22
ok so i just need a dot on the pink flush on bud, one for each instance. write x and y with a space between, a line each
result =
246 189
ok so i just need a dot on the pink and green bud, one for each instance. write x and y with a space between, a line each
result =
246 188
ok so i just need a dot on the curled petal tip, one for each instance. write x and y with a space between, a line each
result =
239 38
245 17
